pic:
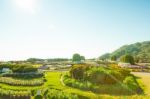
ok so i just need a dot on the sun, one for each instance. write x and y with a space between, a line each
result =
26 5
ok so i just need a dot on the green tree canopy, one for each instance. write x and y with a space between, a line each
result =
76 58
140 51
127 59
82 57
113 58
104 56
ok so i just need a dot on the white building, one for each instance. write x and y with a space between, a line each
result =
124 64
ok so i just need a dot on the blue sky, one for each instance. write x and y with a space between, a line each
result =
60 28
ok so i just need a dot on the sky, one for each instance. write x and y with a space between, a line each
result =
60 28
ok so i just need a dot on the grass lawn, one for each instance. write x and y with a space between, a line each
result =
144 78
54 81
17 88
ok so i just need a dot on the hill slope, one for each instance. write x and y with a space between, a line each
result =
140 51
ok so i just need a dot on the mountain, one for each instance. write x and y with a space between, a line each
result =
140 51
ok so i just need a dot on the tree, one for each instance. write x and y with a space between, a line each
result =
38 97
113 58
34 60
76 58
77 72
140 50
127 59
82 57
104 56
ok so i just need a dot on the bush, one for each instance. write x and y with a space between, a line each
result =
131 83
124 72
5 66
107 80
79 71
84 85
113 77
97 75
101 75
113 58
127 59
38 97
19 68
23 75
24 68
100 88
56 94
76 58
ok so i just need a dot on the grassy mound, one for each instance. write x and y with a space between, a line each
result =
105 80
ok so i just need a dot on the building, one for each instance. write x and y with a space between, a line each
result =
124 64
44 67
5 70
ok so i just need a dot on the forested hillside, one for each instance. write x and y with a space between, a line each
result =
140 51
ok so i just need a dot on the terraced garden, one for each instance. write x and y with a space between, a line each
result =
54 85
32 88
21 82
15 88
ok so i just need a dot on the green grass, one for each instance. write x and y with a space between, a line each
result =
53 81
6 85
22 88
144 80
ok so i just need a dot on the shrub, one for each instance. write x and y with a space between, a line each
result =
21 82
5 66
56 94
107 80
127 59
79 71
124 72
38 97
23 68
103 75
19 68
76 58
113 58
112 77
97 75
131 83
24 75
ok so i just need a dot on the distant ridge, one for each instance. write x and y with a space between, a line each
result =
140 51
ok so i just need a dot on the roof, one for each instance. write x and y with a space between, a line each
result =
44 67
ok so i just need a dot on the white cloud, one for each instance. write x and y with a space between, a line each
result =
26 5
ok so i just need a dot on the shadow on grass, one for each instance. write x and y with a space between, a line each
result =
112 90
137 77
122 90
125 92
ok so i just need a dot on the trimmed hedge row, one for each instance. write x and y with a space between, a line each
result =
17 82
10 94
19 68
23 75
53 94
